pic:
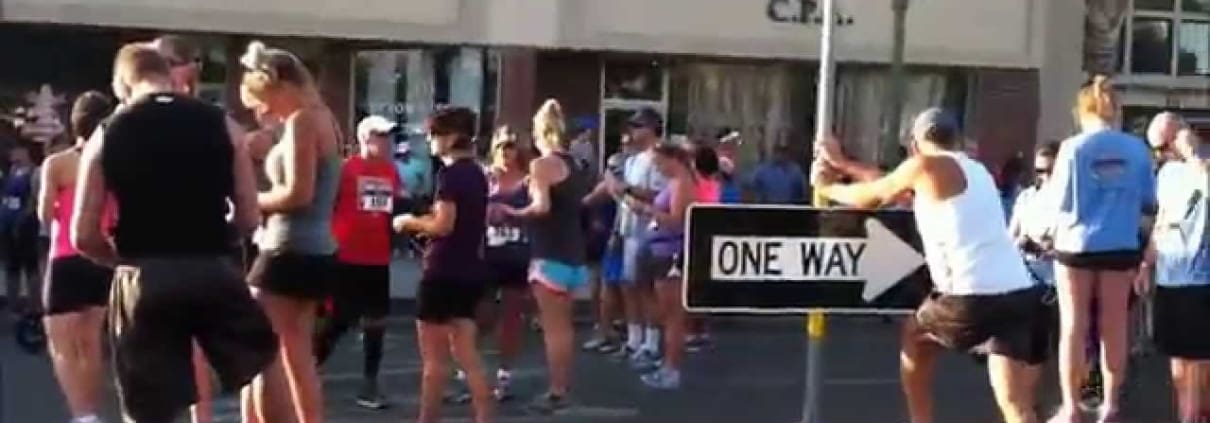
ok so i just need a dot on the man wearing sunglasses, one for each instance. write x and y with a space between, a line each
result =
1160 134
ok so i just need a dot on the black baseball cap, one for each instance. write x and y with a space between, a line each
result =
646 118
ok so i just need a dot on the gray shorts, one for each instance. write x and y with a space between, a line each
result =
632 260
158 307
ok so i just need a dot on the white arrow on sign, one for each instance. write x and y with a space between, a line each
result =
879 260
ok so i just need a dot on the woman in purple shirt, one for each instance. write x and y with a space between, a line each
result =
453 272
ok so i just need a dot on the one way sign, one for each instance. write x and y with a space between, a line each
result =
789 260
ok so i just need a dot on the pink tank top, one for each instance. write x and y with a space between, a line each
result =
65 202
708 191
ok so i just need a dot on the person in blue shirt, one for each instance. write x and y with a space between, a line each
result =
1102 191
780 180
1180 257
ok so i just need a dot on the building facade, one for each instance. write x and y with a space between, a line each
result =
1008 68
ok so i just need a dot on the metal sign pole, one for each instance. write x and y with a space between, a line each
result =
816 322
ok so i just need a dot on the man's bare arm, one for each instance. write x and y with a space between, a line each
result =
87 236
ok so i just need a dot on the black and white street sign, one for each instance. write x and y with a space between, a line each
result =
790 260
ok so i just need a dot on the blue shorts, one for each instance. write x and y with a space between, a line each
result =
611 268
557 276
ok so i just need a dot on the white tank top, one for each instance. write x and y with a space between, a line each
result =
966 242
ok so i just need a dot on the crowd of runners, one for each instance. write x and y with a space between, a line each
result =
166 210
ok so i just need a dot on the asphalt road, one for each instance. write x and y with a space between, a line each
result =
754 374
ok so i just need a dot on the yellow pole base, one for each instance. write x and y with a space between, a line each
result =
816 325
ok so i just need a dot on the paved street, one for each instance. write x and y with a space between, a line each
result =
753 375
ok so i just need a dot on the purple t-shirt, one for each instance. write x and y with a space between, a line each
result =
459 255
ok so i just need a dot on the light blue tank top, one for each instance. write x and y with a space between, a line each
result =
307 230
1180 237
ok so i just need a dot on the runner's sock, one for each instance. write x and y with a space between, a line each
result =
92 418
372 348
652 341
634 336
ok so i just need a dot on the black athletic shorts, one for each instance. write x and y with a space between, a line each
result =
362 290
505 274
294 275
1106 260
1013 324
75 283
1181 321
442 300
158 308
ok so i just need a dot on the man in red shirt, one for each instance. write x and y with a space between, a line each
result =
361 223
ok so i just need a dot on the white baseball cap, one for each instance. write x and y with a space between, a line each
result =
372 124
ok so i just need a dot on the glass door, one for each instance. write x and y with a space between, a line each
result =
628 85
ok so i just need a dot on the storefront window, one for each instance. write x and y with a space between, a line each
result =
1157 5
1193 56
629 84
1151 46
1163 30
213 87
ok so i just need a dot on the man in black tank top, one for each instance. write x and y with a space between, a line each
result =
171 286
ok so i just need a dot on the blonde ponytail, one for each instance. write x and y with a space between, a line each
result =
1097 99
548 124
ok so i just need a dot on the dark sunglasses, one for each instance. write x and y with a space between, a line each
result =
506 145
177 63
1042 171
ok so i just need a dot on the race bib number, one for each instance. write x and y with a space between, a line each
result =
374 195
502 235
12 203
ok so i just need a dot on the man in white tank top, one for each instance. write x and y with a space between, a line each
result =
983 296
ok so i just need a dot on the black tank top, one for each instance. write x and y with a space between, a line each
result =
167 159
559 235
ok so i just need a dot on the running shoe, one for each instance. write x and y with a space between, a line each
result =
595 343
662 379
644 361
609 347
504 380
622 354
698 343
370 398
1092 394
549 404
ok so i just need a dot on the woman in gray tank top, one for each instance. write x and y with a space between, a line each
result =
296 261
557 249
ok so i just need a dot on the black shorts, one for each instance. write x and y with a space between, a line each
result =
1181 321
159 308
1013 324
362 290
441 301
508 275
75 283
301 276
1106 260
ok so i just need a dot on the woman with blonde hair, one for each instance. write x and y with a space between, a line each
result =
296 260
557 268
1102 190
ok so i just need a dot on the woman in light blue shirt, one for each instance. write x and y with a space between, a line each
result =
1102 190
1180 254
